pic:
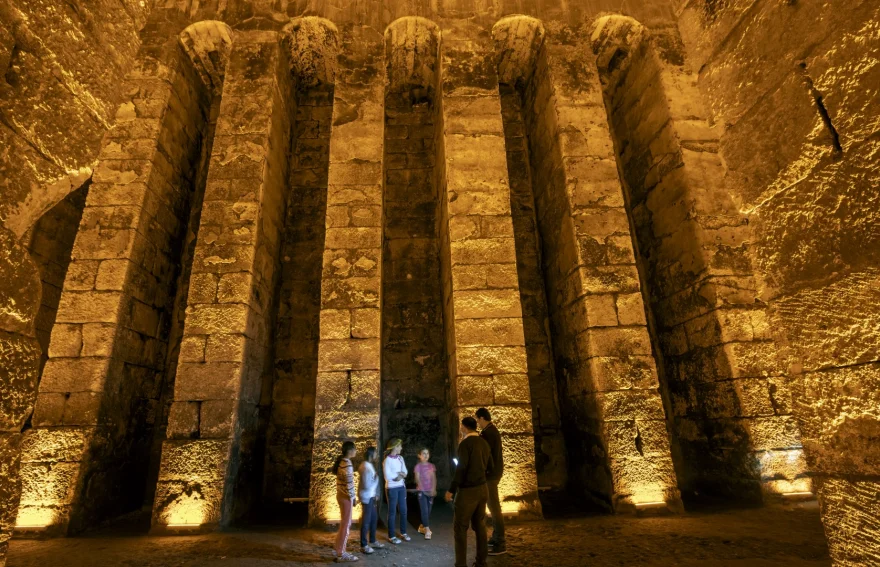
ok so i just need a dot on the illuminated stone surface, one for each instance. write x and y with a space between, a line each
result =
233 236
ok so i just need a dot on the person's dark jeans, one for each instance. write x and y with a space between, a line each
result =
369 521
470 510
426 502
396 500
497 518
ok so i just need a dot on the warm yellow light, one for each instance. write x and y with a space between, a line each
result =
35 518
187 511
649 505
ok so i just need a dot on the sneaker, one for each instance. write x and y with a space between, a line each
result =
367 550
395 541
498 550
427 533
405 537
377 544
347 558
422 529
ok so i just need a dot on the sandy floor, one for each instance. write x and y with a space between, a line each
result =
755 538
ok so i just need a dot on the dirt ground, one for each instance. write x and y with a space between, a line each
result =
789 536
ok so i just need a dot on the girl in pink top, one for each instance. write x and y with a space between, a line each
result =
426 484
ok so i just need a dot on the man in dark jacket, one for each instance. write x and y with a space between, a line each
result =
490 433
471 495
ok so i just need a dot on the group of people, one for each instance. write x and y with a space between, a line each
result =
479 466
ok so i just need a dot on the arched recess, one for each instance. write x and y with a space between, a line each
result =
101 405
724 384
573 223
312 46
415 374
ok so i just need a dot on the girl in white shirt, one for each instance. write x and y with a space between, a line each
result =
367 488
395 486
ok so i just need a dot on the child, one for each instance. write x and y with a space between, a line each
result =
426 483
345 496
395 475
369 483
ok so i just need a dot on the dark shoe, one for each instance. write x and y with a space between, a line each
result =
498 550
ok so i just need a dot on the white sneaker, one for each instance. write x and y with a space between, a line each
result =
347 558
428 533
422 529
367 550
395 541
405 537
377 544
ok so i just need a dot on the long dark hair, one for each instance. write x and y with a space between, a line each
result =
346 447
370 455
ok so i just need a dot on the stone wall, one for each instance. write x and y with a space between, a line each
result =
729 400
799 121
414 371
550 462
291 425
51 242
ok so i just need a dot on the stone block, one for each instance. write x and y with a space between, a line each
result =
491 360
630 404
192 348
75 375
208 381
483 251
98 339
365 388
631 309
216 318
510 389
235 288
67 341
365 323
82 408
183 420
49 409
226 348
331 390
112 275
335 324
489 332
614 373
600 310
615 342
349 354
89 307
485 304
217 418
474 390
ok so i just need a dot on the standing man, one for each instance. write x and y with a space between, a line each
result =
471 495
490 433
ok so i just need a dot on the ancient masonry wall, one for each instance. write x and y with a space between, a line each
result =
486 344
550 461
347 394
51 243
615 428
208 461
415 378
798 121
291 423
100 387
730 405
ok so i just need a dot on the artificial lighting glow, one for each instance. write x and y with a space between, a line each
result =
35 518
649 505
187 511
796 494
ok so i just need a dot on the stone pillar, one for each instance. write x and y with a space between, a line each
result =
348 381
485 341
85 458
225 349
19 370
730 404
616 430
